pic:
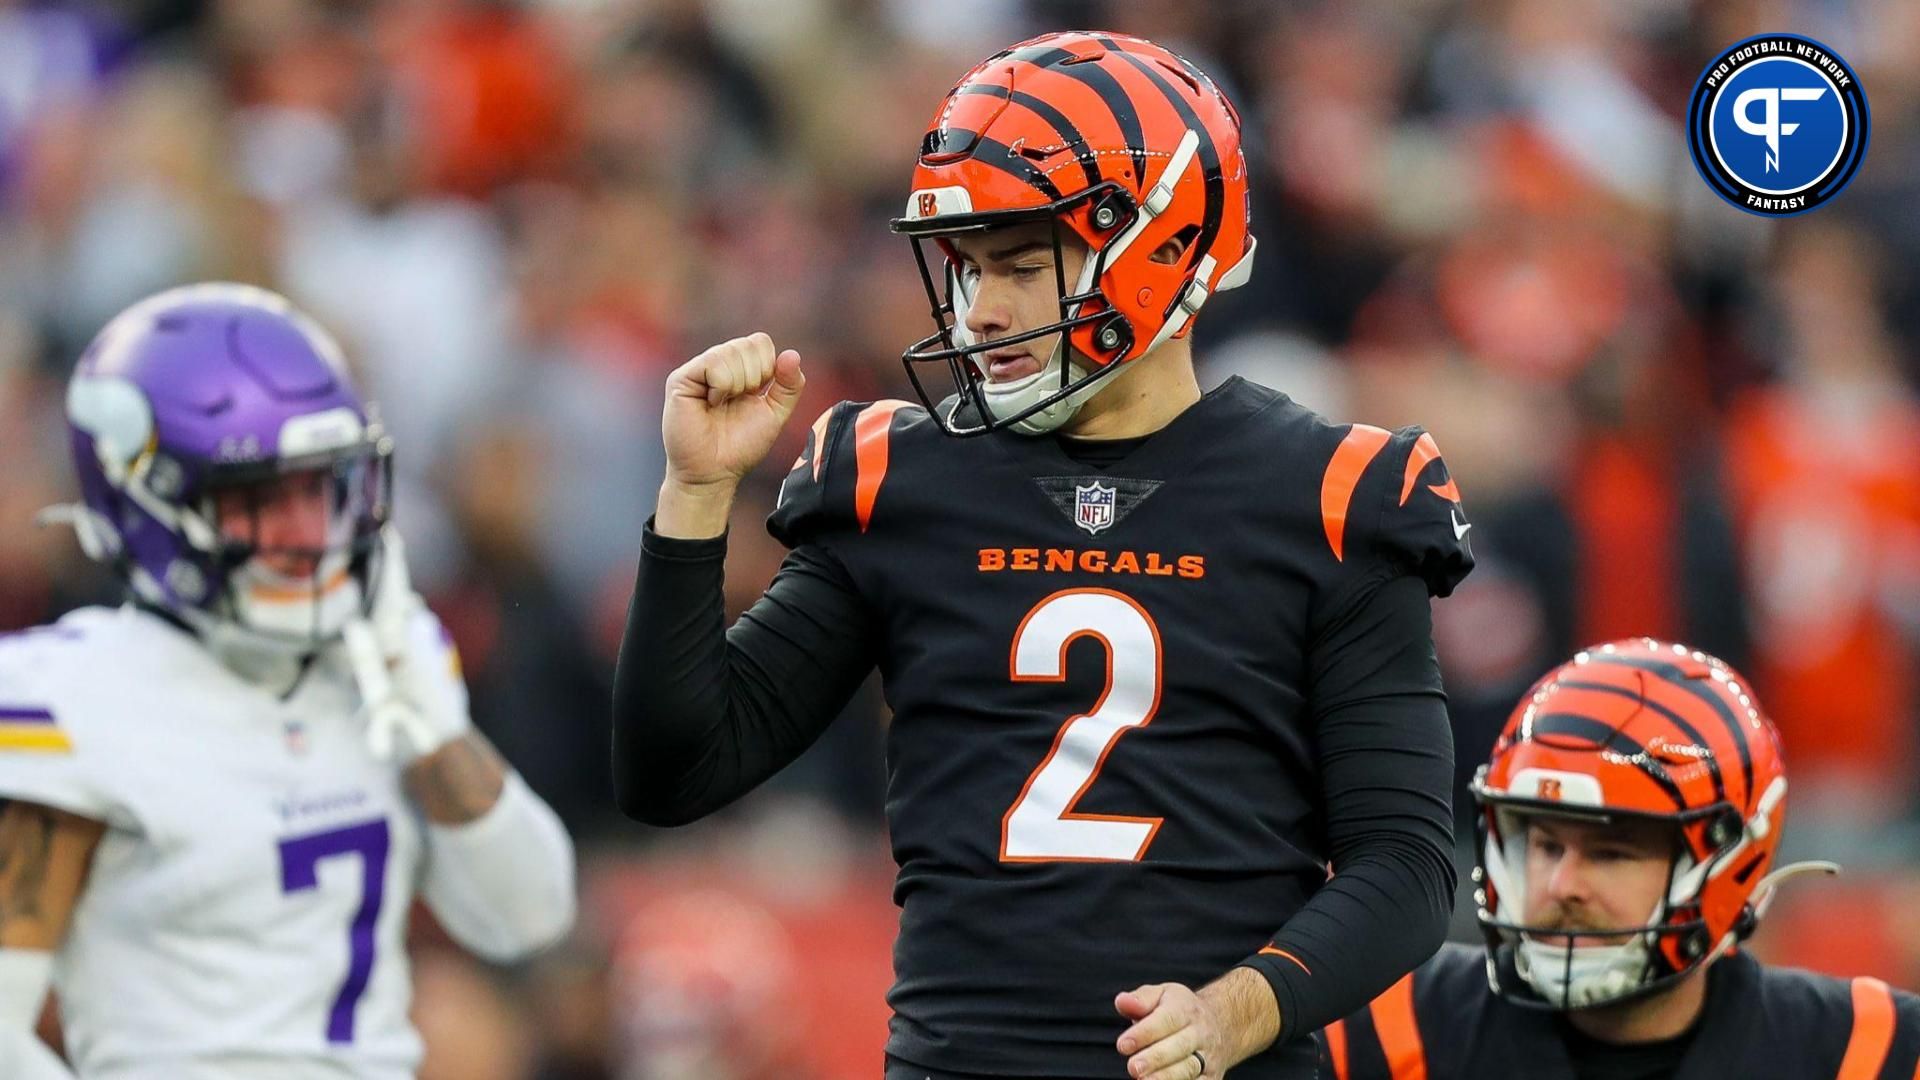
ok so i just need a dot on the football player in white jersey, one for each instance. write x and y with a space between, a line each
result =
222 798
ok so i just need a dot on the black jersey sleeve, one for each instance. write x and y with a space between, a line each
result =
828 496
1387 498
1385 754
1383 745
703 713
1425 523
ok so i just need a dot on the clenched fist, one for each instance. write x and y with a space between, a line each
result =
724 409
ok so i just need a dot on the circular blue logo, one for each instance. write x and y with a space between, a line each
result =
1778 124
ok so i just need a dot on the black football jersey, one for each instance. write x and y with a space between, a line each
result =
1444 1020
1100 771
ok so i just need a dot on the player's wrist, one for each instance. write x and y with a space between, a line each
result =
458 782
1246 1013
694 509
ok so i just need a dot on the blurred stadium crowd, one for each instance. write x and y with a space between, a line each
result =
1667 417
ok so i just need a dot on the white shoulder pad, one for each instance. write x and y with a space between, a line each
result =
54 742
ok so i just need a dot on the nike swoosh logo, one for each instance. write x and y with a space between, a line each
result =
1460 527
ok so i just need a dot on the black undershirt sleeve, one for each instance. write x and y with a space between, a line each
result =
1385 753
702 713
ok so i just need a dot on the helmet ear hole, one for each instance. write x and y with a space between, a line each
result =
1176 246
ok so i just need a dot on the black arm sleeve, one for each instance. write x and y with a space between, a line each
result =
1386 766
701 713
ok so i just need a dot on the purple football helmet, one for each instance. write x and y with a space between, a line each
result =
191 402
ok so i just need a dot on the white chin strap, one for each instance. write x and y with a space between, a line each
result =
1014 397
1010 398
276 621
276 606
1597 974
1585 974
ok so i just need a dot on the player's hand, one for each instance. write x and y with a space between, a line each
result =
724 409
415 701
1171 1023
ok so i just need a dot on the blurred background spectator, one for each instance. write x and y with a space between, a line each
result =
1667 417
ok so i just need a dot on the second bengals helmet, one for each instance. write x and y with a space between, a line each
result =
1635 730
1115 141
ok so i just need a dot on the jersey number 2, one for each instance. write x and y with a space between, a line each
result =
299 864
1041 825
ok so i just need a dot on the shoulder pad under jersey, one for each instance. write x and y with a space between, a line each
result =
1388 495
60 731
834 484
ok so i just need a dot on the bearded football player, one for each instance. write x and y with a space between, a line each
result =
1157 658
221 798
1630 816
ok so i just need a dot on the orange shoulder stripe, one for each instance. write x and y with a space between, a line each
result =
870 431
1399 1031
1350 459
1336 1036
1872 1031
1425 453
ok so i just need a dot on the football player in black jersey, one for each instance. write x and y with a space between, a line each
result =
1631 812
1157 659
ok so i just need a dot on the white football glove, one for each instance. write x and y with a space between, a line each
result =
409 675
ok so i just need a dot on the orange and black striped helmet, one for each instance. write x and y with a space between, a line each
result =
1646 730
1119 142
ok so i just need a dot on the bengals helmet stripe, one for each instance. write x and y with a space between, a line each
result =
1062 126
991 152
1672 675
1603 737
1102 82
1638 694
1209 158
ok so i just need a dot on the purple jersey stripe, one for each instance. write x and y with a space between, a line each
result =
10 714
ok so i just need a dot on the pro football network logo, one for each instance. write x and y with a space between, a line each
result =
1778 124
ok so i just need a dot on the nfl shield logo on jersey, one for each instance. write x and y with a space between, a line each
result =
1093 506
